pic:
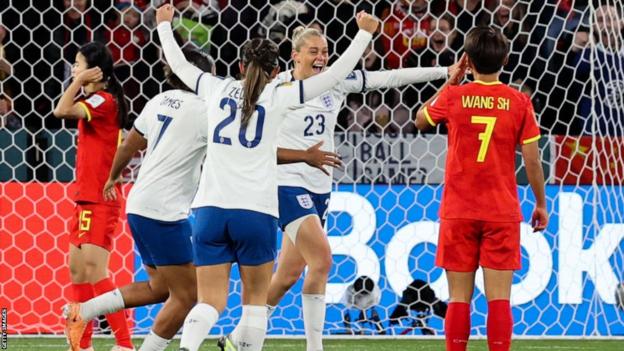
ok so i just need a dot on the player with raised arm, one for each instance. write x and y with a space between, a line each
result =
172 128
237 202
158 208
304 192
100 116
480 213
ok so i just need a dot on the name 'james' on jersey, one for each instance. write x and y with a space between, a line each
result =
175 125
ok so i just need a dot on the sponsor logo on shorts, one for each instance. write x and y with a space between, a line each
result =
305 201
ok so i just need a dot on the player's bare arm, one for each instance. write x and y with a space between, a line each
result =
133 143
535 173
67 108
313 156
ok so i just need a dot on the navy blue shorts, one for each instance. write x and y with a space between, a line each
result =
233 235
162 243
296 202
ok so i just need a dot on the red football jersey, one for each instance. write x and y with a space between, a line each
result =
485 121
98 138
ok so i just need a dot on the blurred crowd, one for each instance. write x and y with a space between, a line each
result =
551 52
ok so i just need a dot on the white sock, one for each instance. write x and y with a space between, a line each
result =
197 325
270 310
235 334
154 342
109 302
313 320
251 328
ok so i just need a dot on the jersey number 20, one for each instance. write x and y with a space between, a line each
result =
242 137
486 136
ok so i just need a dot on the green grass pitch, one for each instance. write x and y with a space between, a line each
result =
28 344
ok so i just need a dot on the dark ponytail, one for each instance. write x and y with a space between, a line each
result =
97 55
259 57
114 87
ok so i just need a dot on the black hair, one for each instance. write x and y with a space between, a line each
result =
97 55
198 58
487 49
259 57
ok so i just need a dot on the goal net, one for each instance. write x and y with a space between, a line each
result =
383 224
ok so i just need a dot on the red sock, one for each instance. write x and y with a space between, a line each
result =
499 325
117 320
457 326
83 293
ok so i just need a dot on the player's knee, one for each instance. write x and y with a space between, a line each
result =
290 277
77 273
186 298
321 265
94 271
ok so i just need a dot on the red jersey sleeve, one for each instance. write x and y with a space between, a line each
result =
94 106
438 110
529 131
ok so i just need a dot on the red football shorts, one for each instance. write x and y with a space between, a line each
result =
94 224
466 244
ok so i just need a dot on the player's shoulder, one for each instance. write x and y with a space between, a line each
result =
285 76
99 99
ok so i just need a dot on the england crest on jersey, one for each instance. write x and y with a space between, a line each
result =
327 100
305 201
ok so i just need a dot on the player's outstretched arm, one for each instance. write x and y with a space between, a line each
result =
134 142
320 83
186 71
313 157
535 173
400 77
67 108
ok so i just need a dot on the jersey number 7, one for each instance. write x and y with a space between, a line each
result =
486 136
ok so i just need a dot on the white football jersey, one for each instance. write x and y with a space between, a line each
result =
312 122
243 161
175 124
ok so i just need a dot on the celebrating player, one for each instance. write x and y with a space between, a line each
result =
303 191
237 197
480 213
172 127
100 116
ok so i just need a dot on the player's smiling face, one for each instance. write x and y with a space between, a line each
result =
312 58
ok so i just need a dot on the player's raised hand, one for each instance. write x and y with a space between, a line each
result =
539 219
457 71
367 22
317 158
164 13
90 75
110 192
